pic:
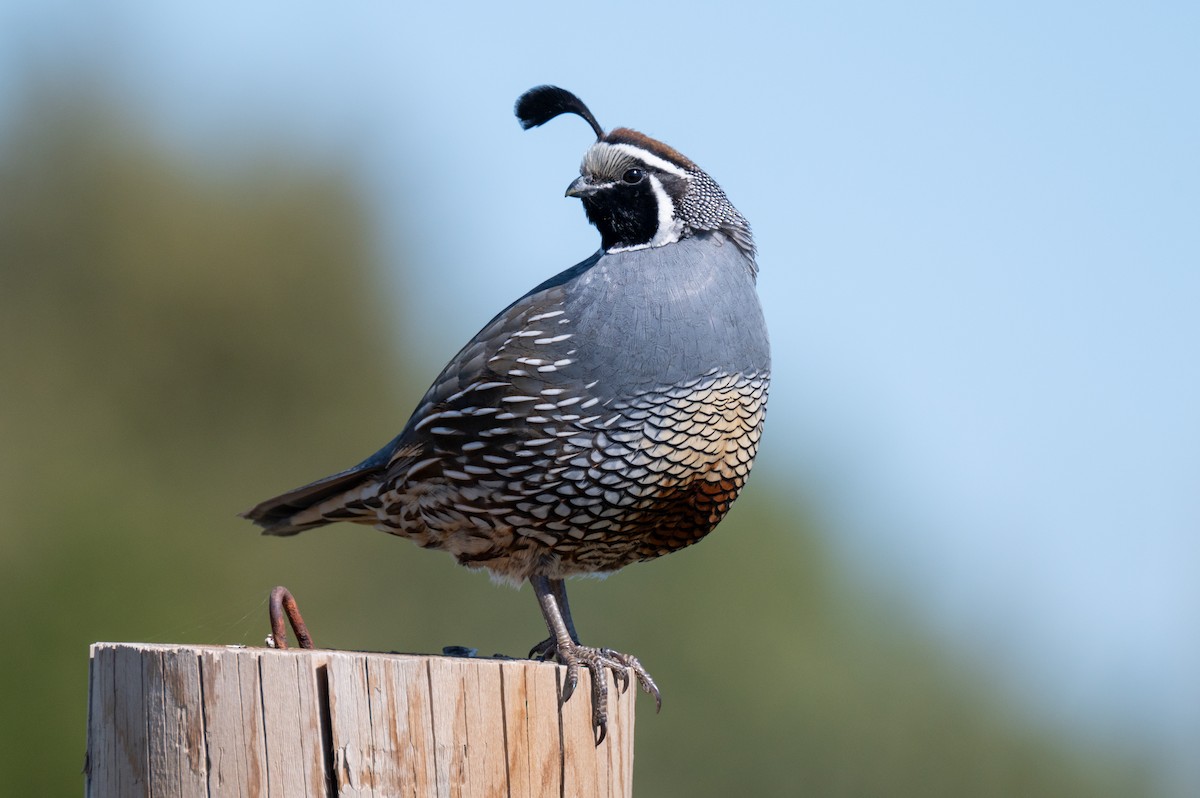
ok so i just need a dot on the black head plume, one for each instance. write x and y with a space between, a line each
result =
542 103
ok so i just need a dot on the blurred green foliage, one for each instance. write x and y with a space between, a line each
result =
181 341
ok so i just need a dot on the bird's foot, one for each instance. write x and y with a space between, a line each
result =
543 650
597 661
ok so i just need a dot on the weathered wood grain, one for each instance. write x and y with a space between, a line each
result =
292 725
170 720
233 723
178 757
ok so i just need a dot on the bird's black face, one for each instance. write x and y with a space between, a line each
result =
631 194
625 211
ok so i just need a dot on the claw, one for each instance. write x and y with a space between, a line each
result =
649 687
621 679
572 680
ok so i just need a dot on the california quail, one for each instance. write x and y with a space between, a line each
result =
608 416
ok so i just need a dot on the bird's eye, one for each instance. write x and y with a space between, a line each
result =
633 176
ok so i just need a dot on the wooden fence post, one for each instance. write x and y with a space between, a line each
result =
174 720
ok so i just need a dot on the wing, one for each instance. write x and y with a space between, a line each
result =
472 403
485 396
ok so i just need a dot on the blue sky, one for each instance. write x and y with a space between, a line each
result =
980 258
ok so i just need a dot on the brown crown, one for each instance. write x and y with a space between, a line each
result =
623 135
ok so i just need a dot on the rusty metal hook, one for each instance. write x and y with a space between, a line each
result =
281 602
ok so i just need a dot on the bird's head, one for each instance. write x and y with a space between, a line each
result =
638 191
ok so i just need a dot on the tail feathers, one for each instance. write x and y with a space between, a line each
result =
341 497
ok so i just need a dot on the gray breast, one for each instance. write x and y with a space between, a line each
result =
665 315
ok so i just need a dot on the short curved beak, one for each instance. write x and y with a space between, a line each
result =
581 187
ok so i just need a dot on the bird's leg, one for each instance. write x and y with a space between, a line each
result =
545 649
564 646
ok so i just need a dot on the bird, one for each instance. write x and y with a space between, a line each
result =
609 416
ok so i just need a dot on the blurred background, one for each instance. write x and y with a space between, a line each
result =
237 241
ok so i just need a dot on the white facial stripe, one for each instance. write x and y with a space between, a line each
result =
650 159
603 151
668 227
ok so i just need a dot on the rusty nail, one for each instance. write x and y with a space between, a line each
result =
281 602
